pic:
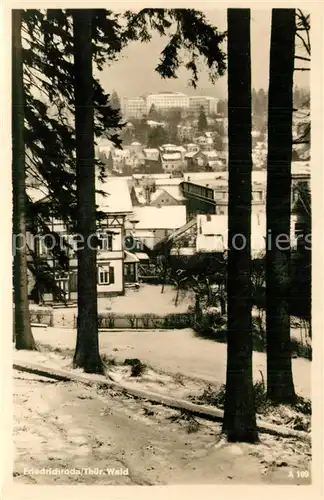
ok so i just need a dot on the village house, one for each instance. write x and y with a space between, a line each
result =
195 160
208 233
186 132
173 148
192 148
172 162
167 196
111 255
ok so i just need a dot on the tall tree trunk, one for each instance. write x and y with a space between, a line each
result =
87 347
279 372
22 329
239 413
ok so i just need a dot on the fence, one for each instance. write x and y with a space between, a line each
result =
39 317
143 321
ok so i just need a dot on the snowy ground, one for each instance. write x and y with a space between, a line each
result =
173 351
106 437
148 299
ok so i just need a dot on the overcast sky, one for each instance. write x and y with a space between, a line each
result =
134 74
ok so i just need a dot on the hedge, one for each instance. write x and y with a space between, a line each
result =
145 321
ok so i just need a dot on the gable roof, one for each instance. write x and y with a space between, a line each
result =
172 191
175 192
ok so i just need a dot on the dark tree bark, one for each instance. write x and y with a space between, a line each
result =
239 412
280 386
87 347
22 330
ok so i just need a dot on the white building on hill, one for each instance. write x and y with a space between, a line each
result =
167 100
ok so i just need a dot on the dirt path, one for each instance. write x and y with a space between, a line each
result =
67 426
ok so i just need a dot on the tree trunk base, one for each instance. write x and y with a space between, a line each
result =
23 343
89 363
278 396
237 431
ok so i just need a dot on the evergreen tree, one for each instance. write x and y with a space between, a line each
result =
49 124
280 386
115 101
202 120
156 137
87 348
301 286
239 411
22 330
153 114
49 132
222 107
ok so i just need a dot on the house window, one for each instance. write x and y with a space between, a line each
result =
105 241
106 275
129 270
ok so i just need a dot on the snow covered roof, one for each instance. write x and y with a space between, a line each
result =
171 156
214 163
211 154
171 147
166 217
153 123
191 154
37 193
130 257
193 176
173 181
140 195
118 198
173 191
151 150
136 144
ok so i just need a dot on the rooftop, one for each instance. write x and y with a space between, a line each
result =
167 94
171 156
37 193
191 154
150 150
117 199
171 181
166 217
173 191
